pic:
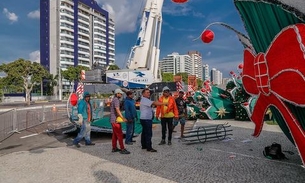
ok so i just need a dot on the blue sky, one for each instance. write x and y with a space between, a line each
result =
19 30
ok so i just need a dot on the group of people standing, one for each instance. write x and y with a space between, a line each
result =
169 110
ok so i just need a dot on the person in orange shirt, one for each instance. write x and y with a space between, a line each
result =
167 113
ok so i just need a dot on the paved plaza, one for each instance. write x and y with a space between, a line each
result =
238 158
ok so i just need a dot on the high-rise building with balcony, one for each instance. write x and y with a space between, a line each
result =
205 72
175 63
216 76
75 32
196 63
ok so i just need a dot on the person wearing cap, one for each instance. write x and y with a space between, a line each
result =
84 109
182 110
117 134
131 116
146 117
167 113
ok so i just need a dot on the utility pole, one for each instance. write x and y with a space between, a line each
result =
59 83
58 52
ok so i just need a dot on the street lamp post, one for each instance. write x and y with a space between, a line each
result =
59 84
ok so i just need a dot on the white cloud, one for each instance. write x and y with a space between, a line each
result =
11 16
34 14
191 37
124 13
35 56
181 10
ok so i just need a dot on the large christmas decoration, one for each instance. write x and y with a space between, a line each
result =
212 102
274 57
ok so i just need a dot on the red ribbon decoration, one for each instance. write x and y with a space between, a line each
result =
267 74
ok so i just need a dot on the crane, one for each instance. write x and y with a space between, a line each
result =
143 61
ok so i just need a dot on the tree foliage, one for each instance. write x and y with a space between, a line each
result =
114 67
1 88
184 76
23 74
52 81
199 83
167 77
73 73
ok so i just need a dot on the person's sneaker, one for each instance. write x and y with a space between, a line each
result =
169 143
124 151
91 144
144 147
115 150
133 141
129 143
77 145
162 142
152 150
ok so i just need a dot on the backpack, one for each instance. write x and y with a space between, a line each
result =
274 152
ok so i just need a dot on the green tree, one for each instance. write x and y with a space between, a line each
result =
24 74
184 76
52 81
1 89
199 84
113 67
72 73
167 77
12 84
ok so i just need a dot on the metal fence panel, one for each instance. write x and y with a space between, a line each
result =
16 120
6 124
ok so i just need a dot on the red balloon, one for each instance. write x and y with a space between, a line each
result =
73 99
240 66
207 36
179 1
231 72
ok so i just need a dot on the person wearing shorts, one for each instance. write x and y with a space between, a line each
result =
182 110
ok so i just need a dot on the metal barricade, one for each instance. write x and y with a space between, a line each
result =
16 120
7 124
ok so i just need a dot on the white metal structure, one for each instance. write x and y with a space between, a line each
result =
144 56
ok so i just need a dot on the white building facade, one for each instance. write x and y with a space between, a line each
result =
190 63
75 32
196 63
216 76
175 63
205 72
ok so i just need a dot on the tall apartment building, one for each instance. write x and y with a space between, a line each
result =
216 76
205 72
175 63
196 63
75 32
225 81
